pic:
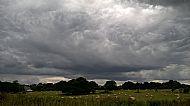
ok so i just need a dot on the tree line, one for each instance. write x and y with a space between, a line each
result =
13 87
83 86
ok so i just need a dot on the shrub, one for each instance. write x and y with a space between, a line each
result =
186 90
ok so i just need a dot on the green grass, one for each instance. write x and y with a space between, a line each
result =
115 98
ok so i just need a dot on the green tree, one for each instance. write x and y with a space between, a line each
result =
77 86
110 85
93 86
128 85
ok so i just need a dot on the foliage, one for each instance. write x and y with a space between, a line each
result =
82 86
186 90
115 98
110 85
77 86
11 87
93 86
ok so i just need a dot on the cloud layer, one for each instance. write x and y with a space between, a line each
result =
98 39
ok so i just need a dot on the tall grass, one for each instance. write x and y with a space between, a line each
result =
114 99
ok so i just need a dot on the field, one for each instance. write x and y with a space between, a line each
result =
114 98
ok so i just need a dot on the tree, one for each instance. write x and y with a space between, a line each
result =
128 85
138 87
13 87
93 86
77 86
48 87
186 90
60 86
110 85
16 87
39 87
173 85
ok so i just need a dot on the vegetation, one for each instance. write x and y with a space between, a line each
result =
82 86
110 85
81 92
114 98
11 87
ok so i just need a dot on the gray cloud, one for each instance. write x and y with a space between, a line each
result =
172 71
98 39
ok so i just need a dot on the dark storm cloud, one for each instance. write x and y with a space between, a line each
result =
164 2
101 39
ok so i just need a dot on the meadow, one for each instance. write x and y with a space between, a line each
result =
114 98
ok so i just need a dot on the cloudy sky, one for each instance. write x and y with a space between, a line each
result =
52 40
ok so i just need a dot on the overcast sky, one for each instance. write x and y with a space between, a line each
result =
52 40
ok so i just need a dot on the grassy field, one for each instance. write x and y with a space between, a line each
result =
115 98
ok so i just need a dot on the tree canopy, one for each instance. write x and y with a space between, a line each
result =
81 86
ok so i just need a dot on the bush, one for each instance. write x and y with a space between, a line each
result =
186 90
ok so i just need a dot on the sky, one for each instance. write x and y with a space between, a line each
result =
122 40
